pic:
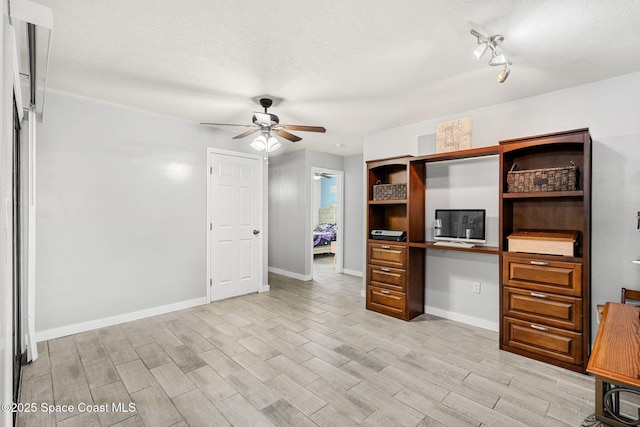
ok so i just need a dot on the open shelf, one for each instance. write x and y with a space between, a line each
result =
494 250
456 155
388 202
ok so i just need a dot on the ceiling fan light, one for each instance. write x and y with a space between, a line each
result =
259 144
273 144
480 50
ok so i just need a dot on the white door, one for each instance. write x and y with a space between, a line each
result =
235 209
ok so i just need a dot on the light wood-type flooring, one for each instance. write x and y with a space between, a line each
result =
305 353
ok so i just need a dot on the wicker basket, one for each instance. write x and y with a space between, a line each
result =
389 191
549 179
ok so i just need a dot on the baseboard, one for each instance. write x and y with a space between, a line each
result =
462 318
264 288
290 274
115 320
352 272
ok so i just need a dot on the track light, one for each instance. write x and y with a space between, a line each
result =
497 58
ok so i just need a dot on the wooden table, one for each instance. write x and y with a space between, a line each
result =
615 361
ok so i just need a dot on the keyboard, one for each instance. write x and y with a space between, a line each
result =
454 244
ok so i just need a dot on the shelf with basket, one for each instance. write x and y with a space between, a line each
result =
388 202
545 194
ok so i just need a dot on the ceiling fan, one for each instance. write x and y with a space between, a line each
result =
320 175
267 123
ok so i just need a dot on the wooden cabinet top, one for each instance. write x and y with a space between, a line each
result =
389 161
617 346
576 136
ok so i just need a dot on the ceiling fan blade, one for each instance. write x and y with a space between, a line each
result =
286 135
305 128
225 124
247 133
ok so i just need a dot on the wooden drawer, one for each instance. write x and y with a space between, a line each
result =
554 343
388 255
393 278
386 301
542 275
547 309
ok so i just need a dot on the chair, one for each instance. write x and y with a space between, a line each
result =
630 296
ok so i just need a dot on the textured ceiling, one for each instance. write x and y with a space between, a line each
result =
352 66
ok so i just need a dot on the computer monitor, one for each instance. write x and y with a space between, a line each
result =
460 225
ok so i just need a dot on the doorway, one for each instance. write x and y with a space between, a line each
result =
235 224
327 232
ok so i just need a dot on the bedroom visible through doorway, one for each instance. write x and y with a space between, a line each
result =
326 221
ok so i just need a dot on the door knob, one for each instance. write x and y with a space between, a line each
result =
256 232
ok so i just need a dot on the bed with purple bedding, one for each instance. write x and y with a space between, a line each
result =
325 232
323 235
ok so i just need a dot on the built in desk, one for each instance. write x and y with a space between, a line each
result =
615 361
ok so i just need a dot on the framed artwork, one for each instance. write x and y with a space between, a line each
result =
454 135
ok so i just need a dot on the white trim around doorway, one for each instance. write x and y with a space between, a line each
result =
339 218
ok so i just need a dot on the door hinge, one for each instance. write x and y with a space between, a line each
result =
210 282
210 226
210 170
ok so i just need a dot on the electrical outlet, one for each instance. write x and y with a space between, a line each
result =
476 287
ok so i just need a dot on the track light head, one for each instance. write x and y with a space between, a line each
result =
480 50
503 74
498 59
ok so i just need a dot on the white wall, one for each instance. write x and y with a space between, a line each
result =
6 207
121 213
609 108
354 195
288 198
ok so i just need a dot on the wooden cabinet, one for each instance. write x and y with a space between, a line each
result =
395 279
544 299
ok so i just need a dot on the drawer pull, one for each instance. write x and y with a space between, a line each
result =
384 291
540 328
537 295
385 269
539 263
385 247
